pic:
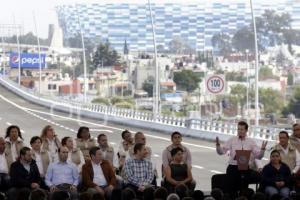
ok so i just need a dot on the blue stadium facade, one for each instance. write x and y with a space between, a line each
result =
195 22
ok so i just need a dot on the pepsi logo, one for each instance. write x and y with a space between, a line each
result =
15 59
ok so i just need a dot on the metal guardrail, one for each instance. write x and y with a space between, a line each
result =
200 128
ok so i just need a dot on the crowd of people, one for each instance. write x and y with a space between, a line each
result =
90 168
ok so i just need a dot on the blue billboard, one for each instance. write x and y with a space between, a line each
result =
28 60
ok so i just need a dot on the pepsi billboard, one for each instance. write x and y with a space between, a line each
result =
27 60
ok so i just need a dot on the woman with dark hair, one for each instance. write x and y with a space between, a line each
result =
178 172
50 142
84 141
75 155
13 142
276 176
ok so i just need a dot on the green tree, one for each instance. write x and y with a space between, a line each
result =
28 38
186 80
234 76
294 104
272 100
243 39
106 54
290 79
75 42
266 73
148 85
222 41
281 59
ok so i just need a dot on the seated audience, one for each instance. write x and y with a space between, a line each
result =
178 172
138 171
107 150
75 155
160 193
24 173
5 163
126 144
38 194
50 142
13 142
98 175
41 157
288 153
84 141
276 176
176 139
63 175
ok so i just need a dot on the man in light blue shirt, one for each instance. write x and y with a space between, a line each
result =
62 175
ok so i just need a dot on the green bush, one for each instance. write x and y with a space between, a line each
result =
115 100
124 104
103 101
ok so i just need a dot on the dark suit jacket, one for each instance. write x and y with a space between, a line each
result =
88 174
20 177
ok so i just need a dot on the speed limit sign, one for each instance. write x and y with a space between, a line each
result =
215 84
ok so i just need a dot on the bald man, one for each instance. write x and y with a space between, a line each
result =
139 137
5 163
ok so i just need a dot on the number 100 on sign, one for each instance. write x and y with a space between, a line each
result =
215 84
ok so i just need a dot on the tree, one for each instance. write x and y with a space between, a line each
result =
238 94
179 46
148 85
76 42
294 104
234 76
281 59
186 80
271 26
266 73
28 38
290 79
222 41
243 39
105 54
272 100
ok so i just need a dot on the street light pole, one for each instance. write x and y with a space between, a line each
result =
247 95
156 96
84 59
39 49
257 110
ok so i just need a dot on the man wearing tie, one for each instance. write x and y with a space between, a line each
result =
238 179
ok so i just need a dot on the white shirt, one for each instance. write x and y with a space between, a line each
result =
13 151
26 166
122 151
52 147
99 178
39 162
235 143
3 164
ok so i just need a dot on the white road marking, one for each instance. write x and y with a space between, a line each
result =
156 155
9 124
216 172
100 130
197 166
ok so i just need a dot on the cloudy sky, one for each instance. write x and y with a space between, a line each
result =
44 11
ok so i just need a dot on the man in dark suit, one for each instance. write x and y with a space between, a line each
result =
24 174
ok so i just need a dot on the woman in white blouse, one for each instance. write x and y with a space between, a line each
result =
13 142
